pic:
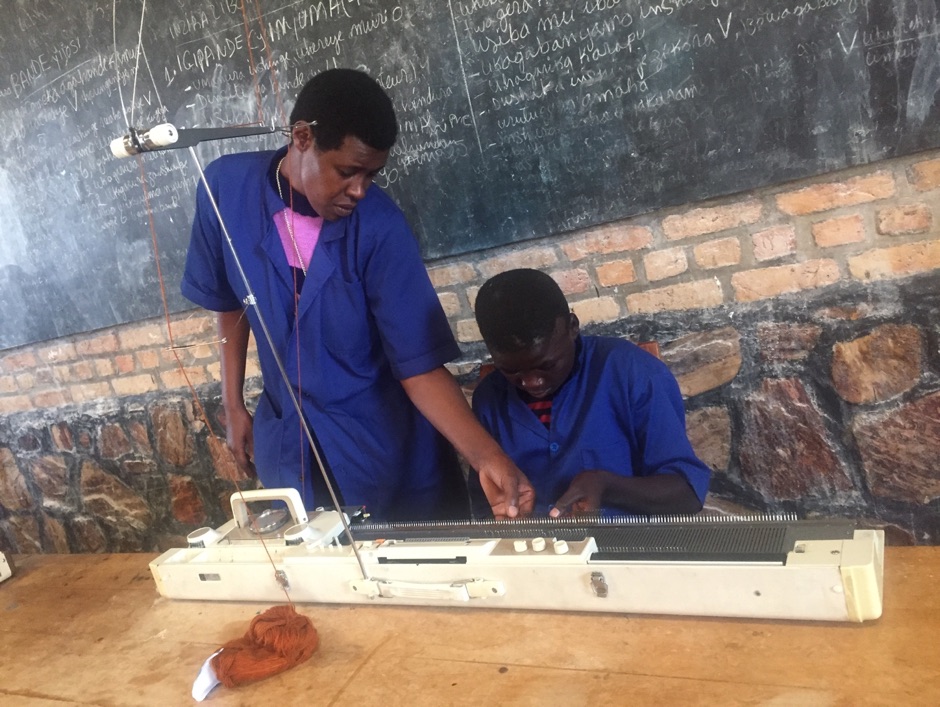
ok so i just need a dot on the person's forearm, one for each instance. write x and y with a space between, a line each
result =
234 331
439 398
653 495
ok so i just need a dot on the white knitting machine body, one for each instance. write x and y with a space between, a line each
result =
757 567
6 568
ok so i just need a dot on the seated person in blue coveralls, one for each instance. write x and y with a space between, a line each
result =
596 423
352 314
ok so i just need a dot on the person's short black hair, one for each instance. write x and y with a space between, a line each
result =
518 309
346 102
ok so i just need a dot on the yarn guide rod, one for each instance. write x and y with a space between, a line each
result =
167 136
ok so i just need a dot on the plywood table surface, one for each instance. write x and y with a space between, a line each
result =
91 630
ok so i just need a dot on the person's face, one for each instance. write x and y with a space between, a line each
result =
541 369
334 181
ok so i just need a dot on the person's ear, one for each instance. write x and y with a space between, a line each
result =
302 135
574 326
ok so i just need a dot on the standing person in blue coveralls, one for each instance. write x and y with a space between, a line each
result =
345 294
597 423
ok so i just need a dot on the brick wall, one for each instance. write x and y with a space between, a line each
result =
821 244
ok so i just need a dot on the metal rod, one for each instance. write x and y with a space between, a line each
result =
251 300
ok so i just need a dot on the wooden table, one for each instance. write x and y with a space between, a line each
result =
91 630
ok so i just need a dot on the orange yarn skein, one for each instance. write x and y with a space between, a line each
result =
276 640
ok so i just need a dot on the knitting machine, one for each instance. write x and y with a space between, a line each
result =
771 567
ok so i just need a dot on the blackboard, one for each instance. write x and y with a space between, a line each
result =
519 118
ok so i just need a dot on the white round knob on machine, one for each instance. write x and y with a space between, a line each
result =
203 537
300 533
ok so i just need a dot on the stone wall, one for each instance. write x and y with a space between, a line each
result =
125 475
801 322
823 405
